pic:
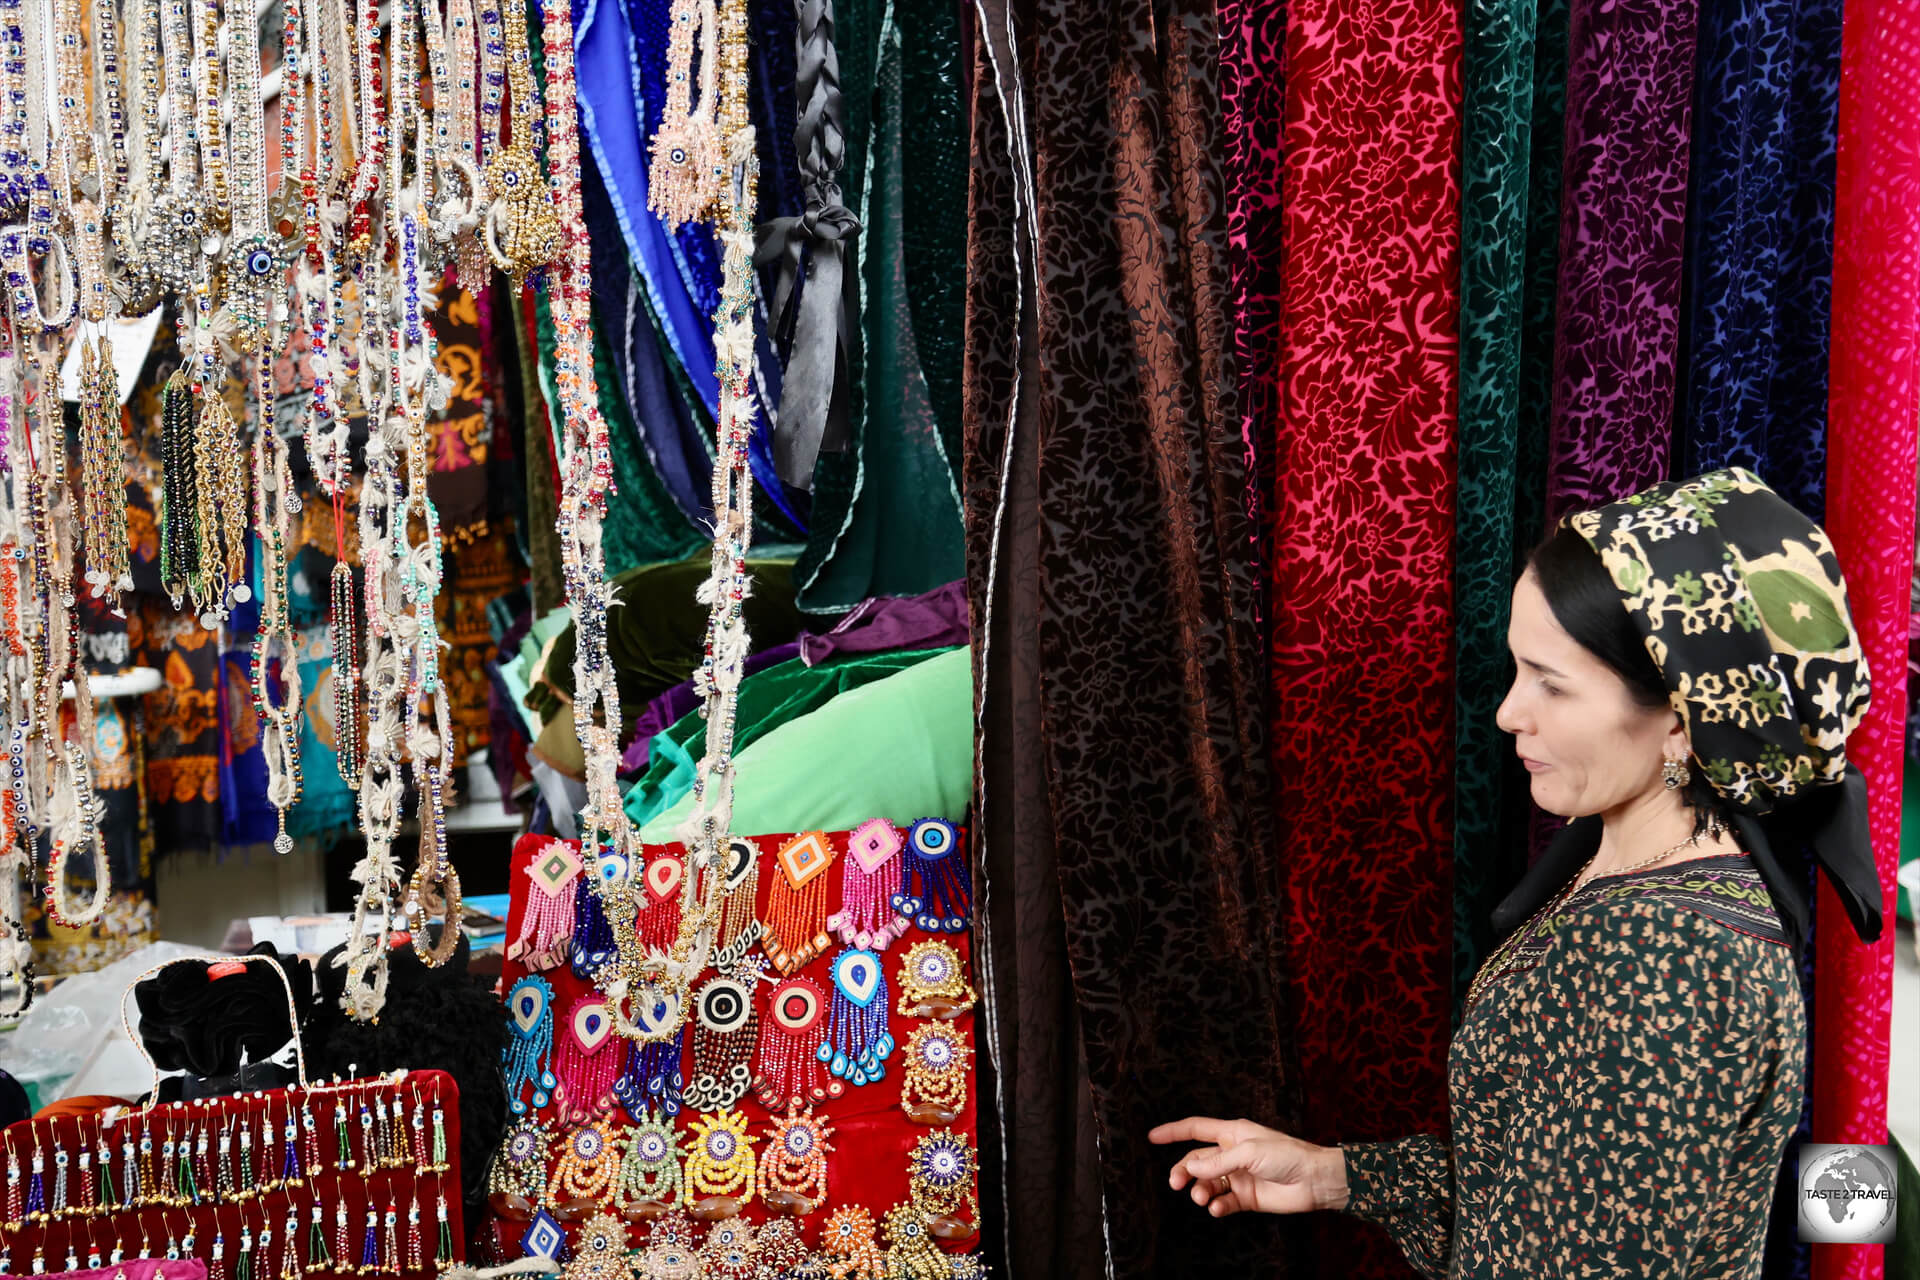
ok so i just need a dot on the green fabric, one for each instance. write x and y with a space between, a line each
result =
520 672
900 748
893 526
1909 837
1498 118
768 699
934 221
657 630
644 525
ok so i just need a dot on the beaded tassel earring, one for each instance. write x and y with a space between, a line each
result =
858 1041
529 1054
588 1060
866 917
788 1070
547 927
370 1244
739 921
592 947
58 1205
650 1165
726 1029
658 919
794 926
935 888
319 1258
37 1186
652 1075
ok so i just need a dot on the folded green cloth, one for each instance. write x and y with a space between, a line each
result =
900 748
768 699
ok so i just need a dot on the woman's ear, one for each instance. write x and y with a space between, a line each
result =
1677 745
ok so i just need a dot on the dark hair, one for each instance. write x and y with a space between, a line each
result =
1587 606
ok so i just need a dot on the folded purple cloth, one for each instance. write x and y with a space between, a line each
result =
933 620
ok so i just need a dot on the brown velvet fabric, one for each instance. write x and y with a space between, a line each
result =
1129 905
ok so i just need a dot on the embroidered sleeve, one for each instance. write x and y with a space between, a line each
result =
1655 1094
1407 1187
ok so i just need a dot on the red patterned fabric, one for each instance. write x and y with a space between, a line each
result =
1870 506
396 1186
871 1134
1361 531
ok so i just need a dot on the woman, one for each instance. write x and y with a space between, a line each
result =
1631 1061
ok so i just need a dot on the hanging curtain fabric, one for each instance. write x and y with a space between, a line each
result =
1119 663
1870 486
1760 244
1253 104
1754 336
1622 223
1505 104
1360 561
886 513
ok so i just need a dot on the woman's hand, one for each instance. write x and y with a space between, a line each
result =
1251 1167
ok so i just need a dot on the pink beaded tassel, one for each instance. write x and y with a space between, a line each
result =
588 1060
547 926
866 919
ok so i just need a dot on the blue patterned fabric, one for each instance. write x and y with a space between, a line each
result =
1754 333
1753 384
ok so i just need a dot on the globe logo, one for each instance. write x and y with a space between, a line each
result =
1847 1194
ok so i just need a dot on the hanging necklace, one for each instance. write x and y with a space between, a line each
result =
523 233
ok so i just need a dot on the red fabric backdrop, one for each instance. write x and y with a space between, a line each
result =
871 1134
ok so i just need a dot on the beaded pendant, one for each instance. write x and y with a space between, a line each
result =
794 926
911 1252
547 926
673 1248
789 1069
726 1029
848 1236
589 1157
650 1164
719 1157
593 947
350 755
932 983
520 1163
866 917
858 1042
793 1165
728 1252
589 1058
935 1089
529 1052
935 887
940 1172
600 1251
739 921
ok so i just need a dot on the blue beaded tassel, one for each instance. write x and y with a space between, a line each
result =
529 1054
593 947
936 890
857 1042
652 1075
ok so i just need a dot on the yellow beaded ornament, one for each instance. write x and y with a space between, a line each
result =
719 1157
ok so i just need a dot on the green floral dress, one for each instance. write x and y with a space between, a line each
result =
1621 1094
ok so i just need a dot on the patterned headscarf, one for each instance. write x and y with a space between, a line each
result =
1742 605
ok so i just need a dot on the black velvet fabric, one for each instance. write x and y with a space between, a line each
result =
201 1025
442 1019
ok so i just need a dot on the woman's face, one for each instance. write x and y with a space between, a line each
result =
1589 747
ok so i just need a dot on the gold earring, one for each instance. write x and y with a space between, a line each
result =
1675 774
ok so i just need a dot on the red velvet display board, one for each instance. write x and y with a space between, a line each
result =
872 1135
396 1185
